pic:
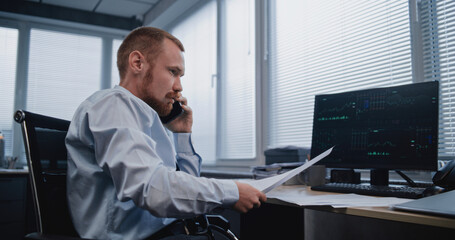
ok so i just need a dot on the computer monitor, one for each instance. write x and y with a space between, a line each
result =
392 128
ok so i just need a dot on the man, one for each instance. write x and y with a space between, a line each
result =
129 177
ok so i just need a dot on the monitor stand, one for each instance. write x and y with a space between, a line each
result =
379 177
344 176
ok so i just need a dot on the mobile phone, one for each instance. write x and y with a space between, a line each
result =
176 111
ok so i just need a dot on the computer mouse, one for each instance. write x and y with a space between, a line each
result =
433 190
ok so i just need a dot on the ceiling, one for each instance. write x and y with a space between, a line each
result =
117 14
122 8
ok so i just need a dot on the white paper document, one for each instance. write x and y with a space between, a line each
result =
303 196
267 184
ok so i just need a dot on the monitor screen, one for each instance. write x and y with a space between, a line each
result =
393 128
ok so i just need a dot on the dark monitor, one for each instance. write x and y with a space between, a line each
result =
392 128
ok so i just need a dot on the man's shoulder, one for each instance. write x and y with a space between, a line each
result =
105 93
113 97
98 98
113 101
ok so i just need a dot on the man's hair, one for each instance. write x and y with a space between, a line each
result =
148 41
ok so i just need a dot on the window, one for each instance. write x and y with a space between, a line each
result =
223 101
338 46
198 35
8 58
438 25
64 69
115 77
53 68
237 115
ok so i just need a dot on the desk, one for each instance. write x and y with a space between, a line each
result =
16 208
281 220
391 215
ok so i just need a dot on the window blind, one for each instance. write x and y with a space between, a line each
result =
198 35
321 47
8 57
64 69
237 133
115 77
438 33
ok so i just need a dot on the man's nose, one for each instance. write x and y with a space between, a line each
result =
177 85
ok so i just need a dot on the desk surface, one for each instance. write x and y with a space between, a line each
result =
392 215
373 212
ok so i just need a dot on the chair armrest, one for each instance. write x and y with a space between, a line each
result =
219 221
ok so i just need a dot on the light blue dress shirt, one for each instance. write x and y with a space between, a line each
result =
122 178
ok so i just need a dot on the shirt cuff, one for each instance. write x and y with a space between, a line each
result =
183 143
231 193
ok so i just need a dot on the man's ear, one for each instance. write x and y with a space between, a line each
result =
136 61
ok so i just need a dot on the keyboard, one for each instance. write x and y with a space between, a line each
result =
372 190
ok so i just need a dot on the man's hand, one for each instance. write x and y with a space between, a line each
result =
184 122
249 197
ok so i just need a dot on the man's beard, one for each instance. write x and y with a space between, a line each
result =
161 108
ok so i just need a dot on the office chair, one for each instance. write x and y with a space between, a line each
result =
44 141
214 226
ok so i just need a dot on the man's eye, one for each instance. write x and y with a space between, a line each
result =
173 72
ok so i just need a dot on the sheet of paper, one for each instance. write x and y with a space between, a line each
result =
303 196
267 184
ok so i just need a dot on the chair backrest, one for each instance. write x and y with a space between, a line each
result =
44 141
